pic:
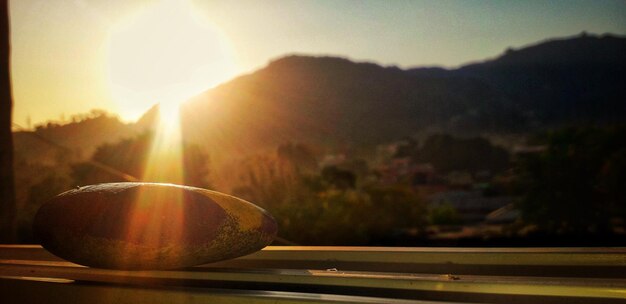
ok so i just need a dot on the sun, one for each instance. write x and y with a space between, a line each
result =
165 54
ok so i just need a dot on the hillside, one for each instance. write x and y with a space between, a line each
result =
331 100
77 140
580 79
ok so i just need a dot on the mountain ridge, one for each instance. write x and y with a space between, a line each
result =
334 100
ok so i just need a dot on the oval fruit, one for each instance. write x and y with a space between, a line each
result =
150 226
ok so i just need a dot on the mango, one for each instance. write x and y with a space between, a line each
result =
141 226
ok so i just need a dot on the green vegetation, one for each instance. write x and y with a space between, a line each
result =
444 215
569 183
448 154
326 207
130 157
577 184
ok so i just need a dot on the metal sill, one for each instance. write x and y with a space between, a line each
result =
338 274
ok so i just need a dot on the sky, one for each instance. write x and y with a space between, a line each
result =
71 56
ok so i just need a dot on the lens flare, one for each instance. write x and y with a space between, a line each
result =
164 165
169 62
165 160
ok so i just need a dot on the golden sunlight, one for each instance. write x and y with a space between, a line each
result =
165 160
165 54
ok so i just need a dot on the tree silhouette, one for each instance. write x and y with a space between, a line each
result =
448 153
130 156
577 184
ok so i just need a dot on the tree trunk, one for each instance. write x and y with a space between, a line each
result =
8 221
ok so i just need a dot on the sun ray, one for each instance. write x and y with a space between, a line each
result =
168 62
165 160
164 165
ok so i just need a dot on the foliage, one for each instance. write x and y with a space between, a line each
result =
577 184
130 156
347 217
35 184
94 117
445 214
448 154
338 178
326 208
300 155
52 184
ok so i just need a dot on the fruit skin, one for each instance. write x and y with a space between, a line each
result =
150 226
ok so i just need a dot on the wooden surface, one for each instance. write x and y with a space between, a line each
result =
340 274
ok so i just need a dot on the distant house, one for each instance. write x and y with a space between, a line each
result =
333 160
407 171
506 214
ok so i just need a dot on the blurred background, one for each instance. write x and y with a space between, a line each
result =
421 123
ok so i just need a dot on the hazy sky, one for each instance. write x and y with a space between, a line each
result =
70 56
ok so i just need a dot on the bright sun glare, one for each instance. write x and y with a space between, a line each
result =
165 54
